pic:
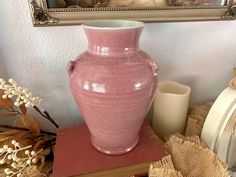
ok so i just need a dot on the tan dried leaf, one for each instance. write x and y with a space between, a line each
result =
234 69
32 171
8 114
232 83
2 173
9 134
46 152
18 123
48 168
39 144
53 149
23 109
5 102
42 164
31 123
27 141
42 156
25 138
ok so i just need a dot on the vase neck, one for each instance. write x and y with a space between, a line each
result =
113 42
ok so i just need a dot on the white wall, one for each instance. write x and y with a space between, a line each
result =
200 54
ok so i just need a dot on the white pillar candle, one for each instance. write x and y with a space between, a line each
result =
170 108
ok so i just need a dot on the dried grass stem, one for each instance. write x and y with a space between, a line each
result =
25 129
46 115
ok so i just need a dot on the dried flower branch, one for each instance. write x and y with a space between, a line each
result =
28 141
23 95
36 144
18 164
23 99
46 115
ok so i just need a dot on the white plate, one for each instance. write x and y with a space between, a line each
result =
213 133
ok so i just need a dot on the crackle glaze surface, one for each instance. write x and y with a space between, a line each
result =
113 83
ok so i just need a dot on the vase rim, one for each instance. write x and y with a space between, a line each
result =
112 24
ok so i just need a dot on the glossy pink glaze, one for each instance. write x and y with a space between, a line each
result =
113 83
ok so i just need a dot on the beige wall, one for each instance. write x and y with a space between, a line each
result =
200 54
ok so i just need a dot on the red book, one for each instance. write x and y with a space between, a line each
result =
75 155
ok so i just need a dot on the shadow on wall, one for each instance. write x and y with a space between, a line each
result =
3 75
3 72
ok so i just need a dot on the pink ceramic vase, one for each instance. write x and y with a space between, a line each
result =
113 83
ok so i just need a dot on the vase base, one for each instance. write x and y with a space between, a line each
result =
115 151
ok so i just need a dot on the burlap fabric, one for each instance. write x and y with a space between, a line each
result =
164 167
188 158
196 118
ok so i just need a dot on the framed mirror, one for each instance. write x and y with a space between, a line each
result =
69 12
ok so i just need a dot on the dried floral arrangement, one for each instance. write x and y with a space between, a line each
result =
24 146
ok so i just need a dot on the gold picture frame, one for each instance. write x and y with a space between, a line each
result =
44 16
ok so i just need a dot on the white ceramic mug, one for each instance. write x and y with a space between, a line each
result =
170 108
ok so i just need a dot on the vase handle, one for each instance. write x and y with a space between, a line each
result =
153 66
71 67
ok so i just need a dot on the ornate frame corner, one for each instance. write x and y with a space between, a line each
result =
40 15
